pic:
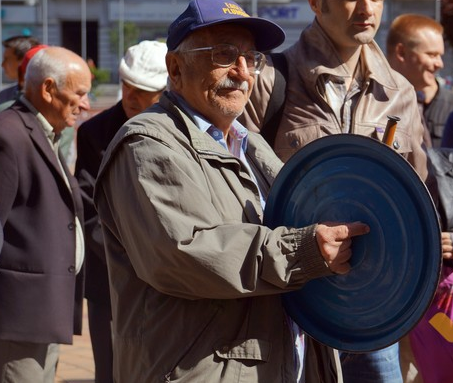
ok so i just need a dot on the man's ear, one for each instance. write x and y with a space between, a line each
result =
315 6
174 62
48 89
400 52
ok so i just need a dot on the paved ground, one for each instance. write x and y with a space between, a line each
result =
76 361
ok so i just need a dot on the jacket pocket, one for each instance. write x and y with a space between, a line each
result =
401 141
249 349
287 144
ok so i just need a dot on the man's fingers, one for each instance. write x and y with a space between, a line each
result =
340 263
344 230
335 240
342 268
356 228
447 245
345 244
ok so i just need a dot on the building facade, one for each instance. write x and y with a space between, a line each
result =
93 28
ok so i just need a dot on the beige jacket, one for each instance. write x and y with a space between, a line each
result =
195 277
307 116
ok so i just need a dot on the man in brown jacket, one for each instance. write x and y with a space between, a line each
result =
339 81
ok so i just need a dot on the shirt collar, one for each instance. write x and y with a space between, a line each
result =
48 129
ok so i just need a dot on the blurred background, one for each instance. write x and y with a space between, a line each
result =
101 30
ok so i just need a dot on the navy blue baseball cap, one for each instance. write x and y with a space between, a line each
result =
205 13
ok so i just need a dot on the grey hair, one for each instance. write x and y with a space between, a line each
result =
187 44
43 65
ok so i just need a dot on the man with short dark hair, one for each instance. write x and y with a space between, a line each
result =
14 50
195 276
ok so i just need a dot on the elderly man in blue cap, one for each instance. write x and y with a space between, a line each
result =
195 276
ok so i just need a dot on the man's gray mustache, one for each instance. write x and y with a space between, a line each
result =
229 83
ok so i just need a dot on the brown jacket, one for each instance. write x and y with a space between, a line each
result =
307 116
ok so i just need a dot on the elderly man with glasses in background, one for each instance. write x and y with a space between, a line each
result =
195 276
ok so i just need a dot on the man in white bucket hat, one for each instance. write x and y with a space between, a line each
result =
143 75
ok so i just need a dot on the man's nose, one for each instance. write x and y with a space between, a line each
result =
85 102
242 67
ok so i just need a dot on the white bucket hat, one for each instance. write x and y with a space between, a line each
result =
143 66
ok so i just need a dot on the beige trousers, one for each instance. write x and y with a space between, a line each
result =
25 362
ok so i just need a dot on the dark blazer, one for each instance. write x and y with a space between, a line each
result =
40 295
93 137
442 162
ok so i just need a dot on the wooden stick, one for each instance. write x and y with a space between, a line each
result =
390 130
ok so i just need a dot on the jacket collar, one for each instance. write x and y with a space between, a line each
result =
36 132
320 56
201 141
37 135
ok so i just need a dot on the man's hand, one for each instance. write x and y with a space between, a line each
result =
334 241
447 245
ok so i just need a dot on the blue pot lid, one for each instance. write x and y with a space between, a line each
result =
395 268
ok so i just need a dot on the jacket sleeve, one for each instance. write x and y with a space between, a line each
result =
154 202
87 165
417 157
9 176
447 138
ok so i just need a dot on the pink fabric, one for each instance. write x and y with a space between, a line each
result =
433 352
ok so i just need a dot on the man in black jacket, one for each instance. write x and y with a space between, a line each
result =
144 77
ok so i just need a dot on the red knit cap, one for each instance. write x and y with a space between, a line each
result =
27 57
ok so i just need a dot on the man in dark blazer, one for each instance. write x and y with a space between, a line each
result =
41 289
143 75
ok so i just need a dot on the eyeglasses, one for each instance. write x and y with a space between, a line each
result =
225 55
